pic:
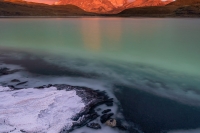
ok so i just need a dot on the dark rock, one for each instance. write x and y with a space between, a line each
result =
105 117
40 87
15 80
44 86
109 104
14 88
106 111
6 71
94 125
22 131
11 86
50 85
84 120
21 83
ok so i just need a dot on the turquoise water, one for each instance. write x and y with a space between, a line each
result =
167 43
150 63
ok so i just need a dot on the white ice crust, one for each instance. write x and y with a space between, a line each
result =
45 110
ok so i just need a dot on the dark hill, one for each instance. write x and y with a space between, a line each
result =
21 8
179 8
185 2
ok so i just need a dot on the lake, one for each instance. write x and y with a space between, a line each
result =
150 66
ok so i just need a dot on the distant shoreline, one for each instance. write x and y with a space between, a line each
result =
1 17
24 10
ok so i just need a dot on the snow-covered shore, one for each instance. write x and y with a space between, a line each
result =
38 110
52 104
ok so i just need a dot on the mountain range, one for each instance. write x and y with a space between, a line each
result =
111 6
178 8
23 8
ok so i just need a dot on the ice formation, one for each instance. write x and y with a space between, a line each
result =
37 110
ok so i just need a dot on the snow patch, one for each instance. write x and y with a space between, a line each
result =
4 89
38 110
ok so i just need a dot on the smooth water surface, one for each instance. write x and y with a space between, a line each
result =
150 63
168 43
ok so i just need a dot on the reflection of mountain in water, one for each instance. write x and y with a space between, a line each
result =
95 38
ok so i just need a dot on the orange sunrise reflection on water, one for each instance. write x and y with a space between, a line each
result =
94 33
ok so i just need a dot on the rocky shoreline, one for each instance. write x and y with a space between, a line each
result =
91 99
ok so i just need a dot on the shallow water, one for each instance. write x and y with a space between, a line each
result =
150 66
